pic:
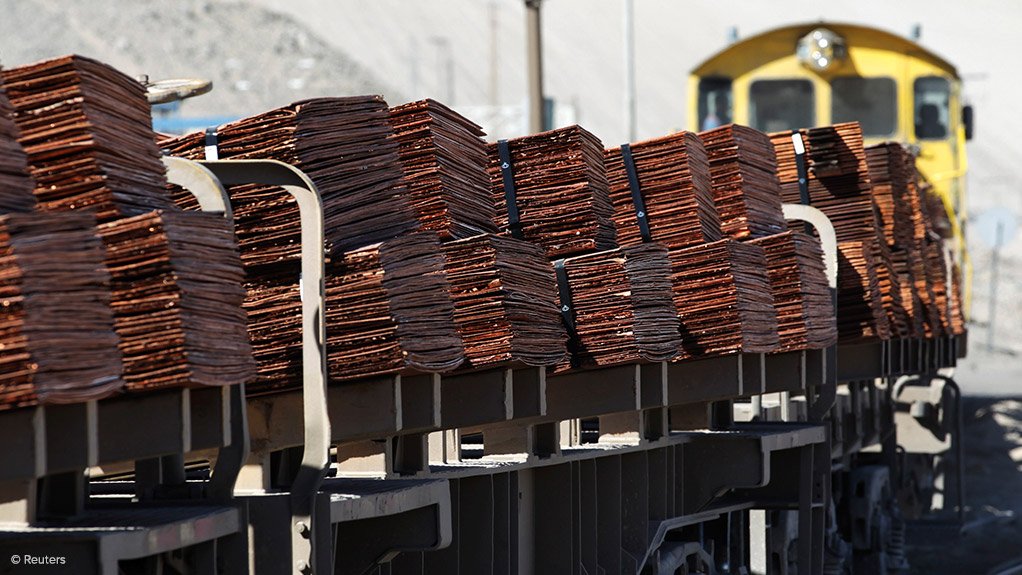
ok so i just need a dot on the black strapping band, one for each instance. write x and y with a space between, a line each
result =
567 310
212 144
800 165
637 199
803 173
510 196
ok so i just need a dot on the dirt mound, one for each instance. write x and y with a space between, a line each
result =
257 59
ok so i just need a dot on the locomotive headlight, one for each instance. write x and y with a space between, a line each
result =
820 49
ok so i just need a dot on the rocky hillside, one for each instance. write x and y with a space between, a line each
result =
256 58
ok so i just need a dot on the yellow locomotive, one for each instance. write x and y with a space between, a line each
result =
823 73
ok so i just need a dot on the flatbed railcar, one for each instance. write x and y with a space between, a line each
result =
749 463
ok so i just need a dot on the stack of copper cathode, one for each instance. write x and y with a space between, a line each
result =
892 171
88 134
798 281
723 298
617 306
15 184
936 277
838 184
912 253
890 290
667 181
957 313
388 311
837 174
505 302
743 169
748 199
56 326
551 189
888 174
344 145
908 266
721 292
177 295
939 229
443 157
861 313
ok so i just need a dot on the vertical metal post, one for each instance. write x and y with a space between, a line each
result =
444 67
494 56
817 410
413 70
756 404
994 269
534 46
212 197
629 53
306 559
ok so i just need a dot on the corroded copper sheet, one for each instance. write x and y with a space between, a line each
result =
673 174
746 191
88 134
505 302
177 299
561 191
723 298
443 156
57 340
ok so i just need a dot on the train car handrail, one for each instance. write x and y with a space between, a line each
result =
828 241
201 183
828 237
316 447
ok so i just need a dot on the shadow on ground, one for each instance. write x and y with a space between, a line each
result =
993 494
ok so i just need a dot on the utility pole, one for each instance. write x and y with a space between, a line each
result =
535 61
444 67
994 265
494 56
629 51
413 59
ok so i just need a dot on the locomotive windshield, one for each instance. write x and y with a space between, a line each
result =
776 105
870 101
714 102
932 100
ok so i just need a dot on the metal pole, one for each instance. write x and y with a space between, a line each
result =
629 52
444 67
535 57
450 72
494 56
413 71
994 265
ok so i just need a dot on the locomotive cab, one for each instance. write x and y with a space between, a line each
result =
824 73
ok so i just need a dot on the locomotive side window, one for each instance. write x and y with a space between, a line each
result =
870 101
776 105
714 102
932 113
